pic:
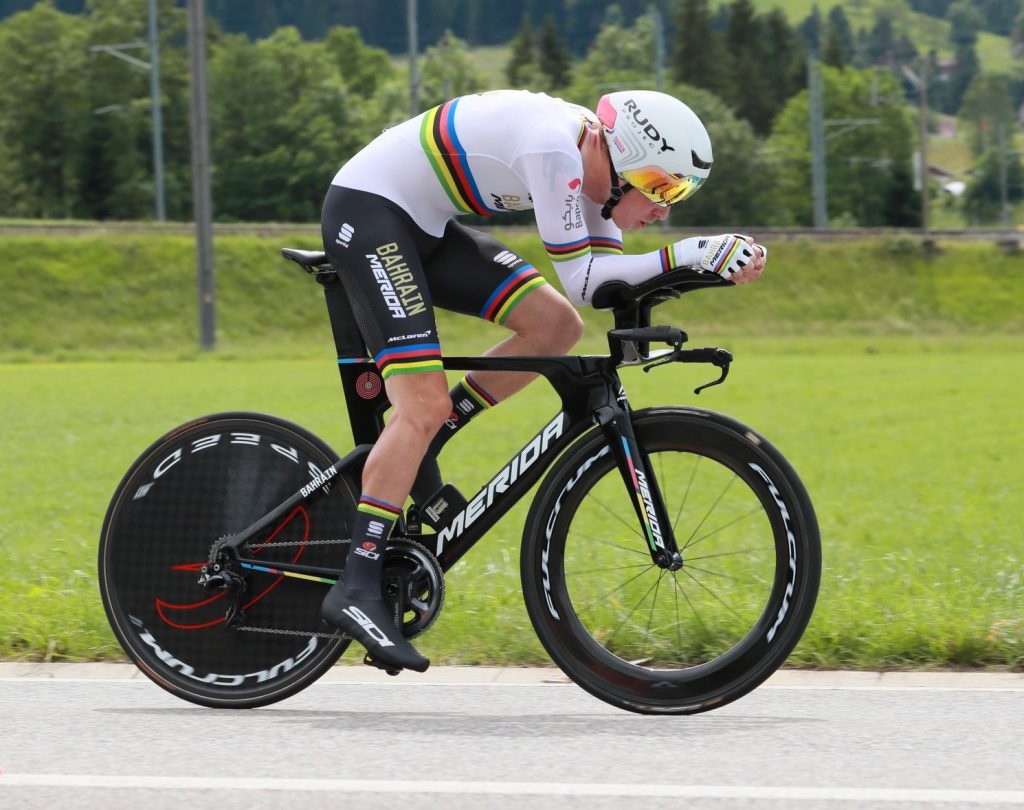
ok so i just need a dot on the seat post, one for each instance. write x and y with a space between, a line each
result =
360 379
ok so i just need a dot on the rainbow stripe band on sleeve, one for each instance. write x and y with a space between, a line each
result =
567 251
510 292
605 244
409 359
448 159
668 258
381 509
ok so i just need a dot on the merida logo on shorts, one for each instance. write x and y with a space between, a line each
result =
401 294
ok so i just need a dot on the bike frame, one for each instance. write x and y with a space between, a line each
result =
591 394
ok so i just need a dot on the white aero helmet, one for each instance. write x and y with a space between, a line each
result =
657 144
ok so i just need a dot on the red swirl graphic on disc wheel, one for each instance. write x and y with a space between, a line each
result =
164 608
368 385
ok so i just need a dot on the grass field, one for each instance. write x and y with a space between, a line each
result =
909 449
891 378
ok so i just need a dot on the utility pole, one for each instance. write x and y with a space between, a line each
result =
414 79
154 95
923 88
1004 202
202 203
153 66
817 126
659 49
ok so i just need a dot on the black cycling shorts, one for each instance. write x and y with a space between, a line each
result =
395 273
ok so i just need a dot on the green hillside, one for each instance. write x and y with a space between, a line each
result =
109 293
928 33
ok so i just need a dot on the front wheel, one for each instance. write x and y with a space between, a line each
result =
651 640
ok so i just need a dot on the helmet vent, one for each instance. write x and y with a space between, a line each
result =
700 164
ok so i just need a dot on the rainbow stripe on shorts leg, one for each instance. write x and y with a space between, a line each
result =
510 292
409 359
381 509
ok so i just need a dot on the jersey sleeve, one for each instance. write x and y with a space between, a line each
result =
585 249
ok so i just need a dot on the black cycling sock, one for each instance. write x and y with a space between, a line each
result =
370 531
468 400
354 603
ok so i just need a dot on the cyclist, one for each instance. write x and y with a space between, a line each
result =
390 229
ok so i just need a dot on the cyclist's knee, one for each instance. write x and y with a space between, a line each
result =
561 326
549 320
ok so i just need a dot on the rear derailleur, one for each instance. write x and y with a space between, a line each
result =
218 575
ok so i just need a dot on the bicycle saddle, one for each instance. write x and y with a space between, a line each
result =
310 259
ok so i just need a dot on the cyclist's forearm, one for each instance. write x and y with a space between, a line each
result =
586 274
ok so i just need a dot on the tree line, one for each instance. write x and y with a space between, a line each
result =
287 110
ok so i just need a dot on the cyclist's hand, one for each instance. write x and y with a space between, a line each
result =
753 270
726 254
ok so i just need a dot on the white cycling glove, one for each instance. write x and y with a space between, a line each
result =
725 254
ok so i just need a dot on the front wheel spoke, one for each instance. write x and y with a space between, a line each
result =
723 554
713 595
654 602
707 514
686 495
754 511
629 615
745 580
603 598
611 543
689 603
605 570
632 527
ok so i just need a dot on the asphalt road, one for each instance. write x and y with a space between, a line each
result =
91 736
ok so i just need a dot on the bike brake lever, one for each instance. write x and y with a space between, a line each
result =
677 347
723 360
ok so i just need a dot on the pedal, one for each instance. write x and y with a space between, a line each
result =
413 524
370 661
442 506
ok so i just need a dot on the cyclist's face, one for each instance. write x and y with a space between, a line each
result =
636 211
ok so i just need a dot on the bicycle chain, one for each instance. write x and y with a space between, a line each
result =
284 544
344 541
282 632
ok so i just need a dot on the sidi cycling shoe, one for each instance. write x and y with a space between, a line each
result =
370 623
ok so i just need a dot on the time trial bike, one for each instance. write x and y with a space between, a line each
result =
670 560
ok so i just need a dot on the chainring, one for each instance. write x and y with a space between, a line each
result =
413 578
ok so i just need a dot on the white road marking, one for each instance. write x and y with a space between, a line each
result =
372 680
752 792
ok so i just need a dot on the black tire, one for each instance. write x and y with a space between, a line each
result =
204 480
654 641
